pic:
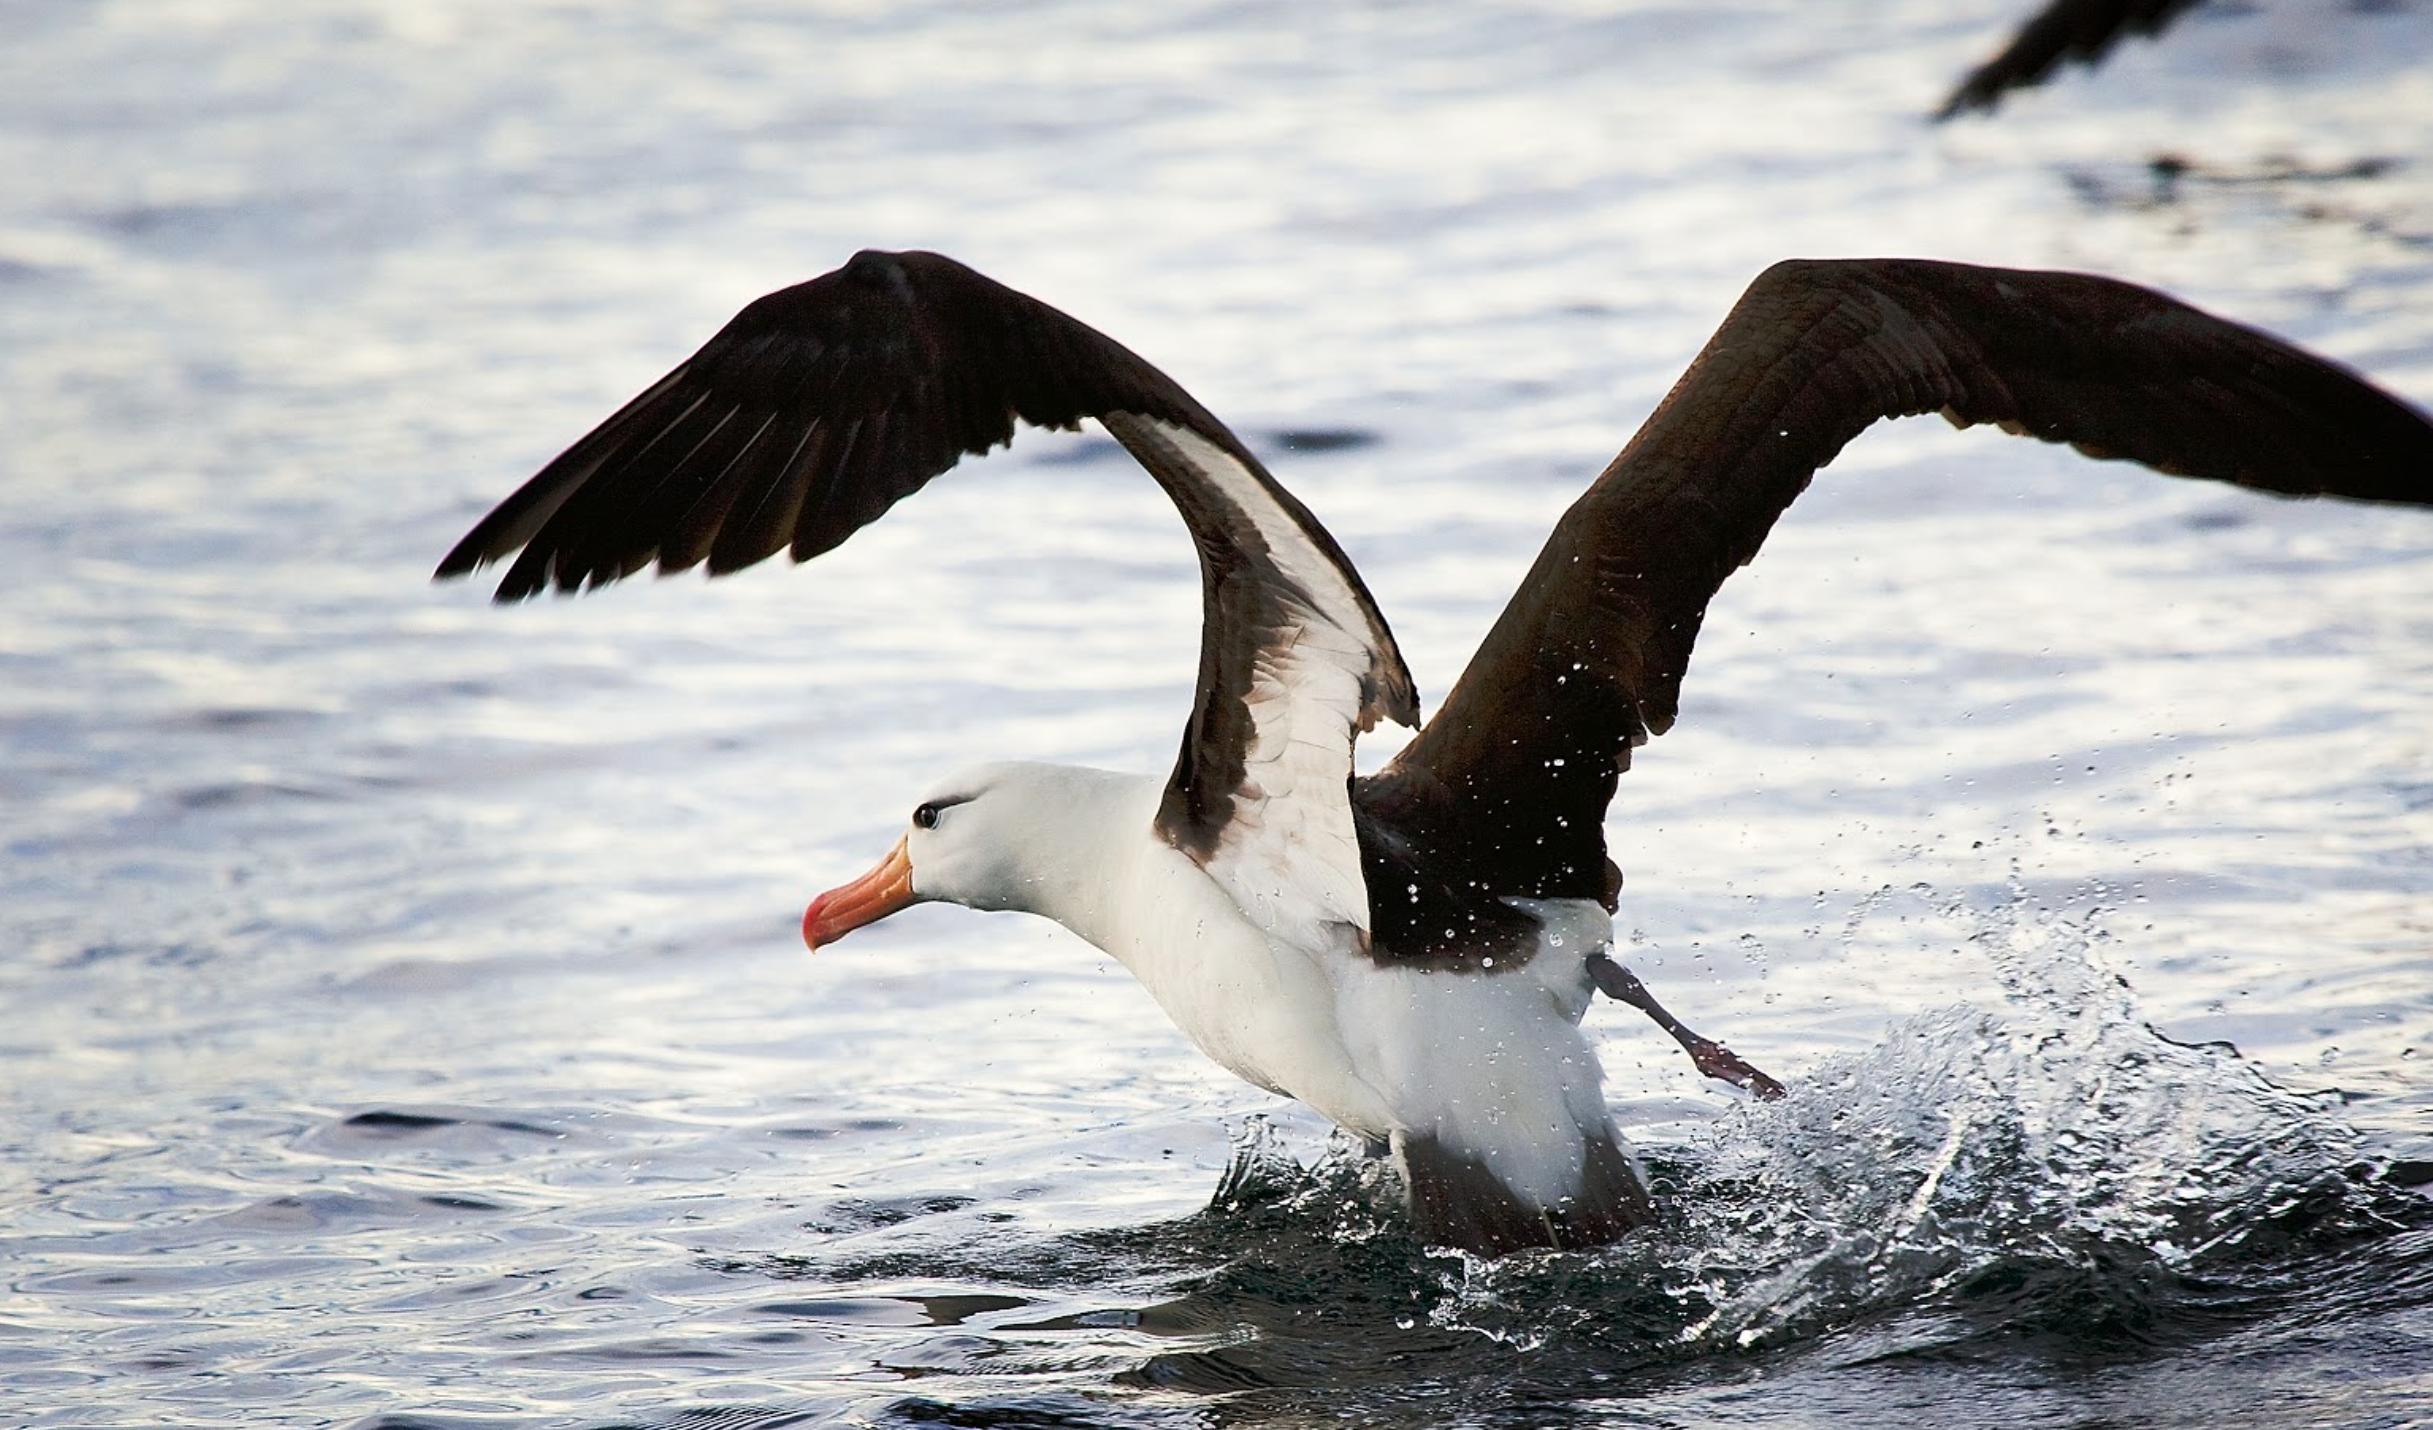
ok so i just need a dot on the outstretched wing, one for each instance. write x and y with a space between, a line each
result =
2083 30
1512 775
820 406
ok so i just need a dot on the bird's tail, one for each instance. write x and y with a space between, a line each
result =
1458 1200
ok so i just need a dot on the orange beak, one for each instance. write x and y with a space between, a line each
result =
866 900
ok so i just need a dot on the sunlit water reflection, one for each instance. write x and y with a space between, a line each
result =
404 1012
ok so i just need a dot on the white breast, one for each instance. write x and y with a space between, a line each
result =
1492 1061
1265 1008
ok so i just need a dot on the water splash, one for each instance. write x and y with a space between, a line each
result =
2056 1143
2057 1131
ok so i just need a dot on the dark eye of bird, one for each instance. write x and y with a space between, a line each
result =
925 817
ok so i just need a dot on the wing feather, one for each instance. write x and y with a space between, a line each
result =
1510 779
820 406
2082 30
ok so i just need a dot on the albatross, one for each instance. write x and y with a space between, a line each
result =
1410 951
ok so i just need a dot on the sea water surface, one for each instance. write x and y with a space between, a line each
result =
403 1016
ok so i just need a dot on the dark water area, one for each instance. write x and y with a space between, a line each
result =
402 1009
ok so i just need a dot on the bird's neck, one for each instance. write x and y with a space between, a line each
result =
1091 833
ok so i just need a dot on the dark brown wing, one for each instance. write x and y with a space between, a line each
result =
805 418
1510 780
822 405
2083 30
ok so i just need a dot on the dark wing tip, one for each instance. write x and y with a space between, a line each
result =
494 539
2081 30
808 414
463 559
2120 371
